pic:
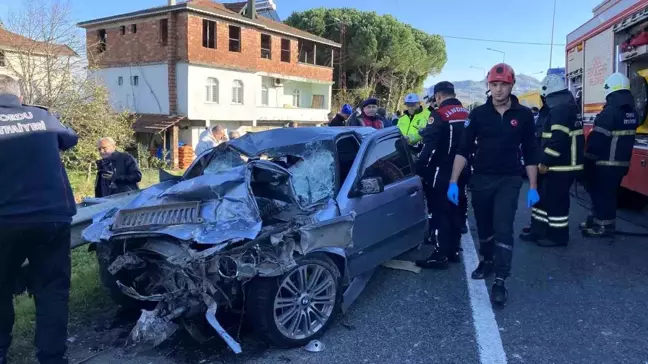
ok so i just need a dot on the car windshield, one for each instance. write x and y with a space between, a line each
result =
312 166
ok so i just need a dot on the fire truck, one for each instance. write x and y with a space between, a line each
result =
614 40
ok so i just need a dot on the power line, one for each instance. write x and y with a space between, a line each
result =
501 41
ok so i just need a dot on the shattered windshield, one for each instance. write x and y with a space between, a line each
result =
312 166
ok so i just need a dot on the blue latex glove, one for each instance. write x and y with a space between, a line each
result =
453 193
532 197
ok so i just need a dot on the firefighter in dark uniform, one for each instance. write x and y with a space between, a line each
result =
561 159
501 125
441 139
36 209
607 154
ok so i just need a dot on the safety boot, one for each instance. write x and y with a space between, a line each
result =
529 236
485 269
499 294
435 261
599 231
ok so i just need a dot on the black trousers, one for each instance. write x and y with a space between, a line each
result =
47 247
495 201
449 218
603 183
550 216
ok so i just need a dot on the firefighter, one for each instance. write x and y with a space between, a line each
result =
607 154
441 139
561 159
501 125
414 119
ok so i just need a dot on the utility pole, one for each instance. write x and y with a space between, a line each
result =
342 71
553 23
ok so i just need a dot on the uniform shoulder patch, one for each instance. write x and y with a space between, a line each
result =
466 123
430 120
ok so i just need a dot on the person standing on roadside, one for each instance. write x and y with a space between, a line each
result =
341 117
117 172
210 138
414 119
608 152
368 116
561 159
501 125
36 209
441 139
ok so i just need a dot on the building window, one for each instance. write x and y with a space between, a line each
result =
296 101
164 32
234 38
211 90
122 30
285 50
3 61
209 34
134 28
266 46
264 96
134 80
101 37
120 80
237 92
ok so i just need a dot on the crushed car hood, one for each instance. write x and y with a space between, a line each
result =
214 208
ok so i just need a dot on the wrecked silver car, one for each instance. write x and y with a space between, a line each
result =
283 226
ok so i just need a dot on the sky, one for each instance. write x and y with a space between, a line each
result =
509 20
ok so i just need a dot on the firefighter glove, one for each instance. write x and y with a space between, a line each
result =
453 193
532 197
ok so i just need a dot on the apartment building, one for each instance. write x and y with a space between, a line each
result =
185 66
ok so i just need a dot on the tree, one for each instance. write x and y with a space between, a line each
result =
47 57
383 57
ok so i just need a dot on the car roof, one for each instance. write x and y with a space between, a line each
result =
256 143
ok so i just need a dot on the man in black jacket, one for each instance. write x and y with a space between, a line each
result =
501 126
36 209
340 118
116 171
441 139
608 151
561 159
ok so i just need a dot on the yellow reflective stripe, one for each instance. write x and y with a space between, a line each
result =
552 152
573 150
624 132
613 163
559 224
578 167
539 218
602 130
537 210
577 132
564 129
546 135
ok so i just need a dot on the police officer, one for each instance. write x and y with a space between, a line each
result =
36 209
607 152
441 139
561 159
414 119
501 125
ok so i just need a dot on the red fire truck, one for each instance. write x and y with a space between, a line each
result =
614 40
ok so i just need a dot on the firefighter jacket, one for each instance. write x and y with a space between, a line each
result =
612 138
495 139
441 138
409 125
562 142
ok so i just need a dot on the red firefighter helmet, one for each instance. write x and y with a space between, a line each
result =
501 72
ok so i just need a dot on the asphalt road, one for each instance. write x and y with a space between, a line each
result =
582 304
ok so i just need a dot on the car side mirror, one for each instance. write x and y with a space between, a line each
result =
369 186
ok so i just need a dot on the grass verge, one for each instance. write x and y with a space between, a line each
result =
86 293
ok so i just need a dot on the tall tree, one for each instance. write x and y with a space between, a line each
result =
383 57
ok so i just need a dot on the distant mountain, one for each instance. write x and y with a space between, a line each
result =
475 91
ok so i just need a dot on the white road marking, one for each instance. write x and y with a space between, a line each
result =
489 342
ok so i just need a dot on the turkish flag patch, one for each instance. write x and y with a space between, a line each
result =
514 123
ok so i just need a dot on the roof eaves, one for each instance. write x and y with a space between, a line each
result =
135 14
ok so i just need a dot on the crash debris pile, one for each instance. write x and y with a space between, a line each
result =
185 156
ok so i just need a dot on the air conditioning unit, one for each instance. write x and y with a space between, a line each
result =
277 82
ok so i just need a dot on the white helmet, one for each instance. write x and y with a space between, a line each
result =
553 83
617 81
412 98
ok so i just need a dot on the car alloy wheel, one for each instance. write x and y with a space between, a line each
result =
305 301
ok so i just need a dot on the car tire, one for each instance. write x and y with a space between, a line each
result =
264 293
105 257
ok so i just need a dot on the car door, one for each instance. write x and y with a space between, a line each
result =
390 222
